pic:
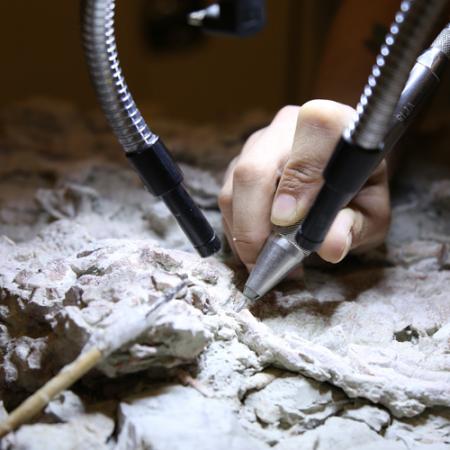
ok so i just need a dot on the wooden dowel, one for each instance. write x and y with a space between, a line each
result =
88 359
65 378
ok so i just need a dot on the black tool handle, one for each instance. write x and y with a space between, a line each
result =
351 165
163 178
346 173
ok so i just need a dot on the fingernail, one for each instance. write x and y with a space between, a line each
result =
348 244
284 210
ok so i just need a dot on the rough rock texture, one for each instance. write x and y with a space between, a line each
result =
82 246
98 285
89 432
206 423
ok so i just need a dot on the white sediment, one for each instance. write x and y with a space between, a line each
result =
84 245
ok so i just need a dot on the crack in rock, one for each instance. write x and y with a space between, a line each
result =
83 245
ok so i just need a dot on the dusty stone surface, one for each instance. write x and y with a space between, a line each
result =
341 434
376 418
90 432
65 406
291 403
83 246
430 429
143 422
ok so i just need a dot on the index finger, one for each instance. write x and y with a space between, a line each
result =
254 184
320 124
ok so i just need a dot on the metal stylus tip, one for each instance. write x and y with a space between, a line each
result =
251 294
278 257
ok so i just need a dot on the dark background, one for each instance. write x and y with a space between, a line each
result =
197 78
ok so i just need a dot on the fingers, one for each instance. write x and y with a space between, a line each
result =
247 195
225 199
246 199
374 204
319 126
339 239
363 224
229 237
253 190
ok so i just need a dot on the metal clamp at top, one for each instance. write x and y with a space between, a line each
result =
231 17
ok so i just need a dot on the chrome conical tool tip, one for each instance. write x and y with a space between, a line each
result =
279 256
250 293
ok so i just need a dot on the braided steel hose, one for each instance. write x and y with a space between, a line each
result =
106 75
406 38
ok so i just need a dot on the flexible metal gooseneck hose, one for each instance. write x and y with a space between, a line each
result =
366 141
406 38
144 149
106 75
362 146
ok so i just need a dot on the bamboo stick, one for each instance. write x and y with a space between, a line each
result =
64 379
90 356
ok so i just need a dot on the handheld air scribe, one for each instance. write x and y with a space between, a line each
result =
386 108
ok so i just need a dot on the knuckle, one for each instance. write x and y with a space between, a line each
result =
244 239
246 173
224 200
248 240
253 139
286 113
301 174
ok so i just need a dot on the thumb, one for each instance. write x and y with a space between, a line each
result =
319 126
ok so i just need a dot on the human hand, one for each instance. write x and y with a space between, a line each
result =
278 174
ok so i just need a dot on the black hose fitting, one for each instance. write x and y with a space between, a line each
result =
163 178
